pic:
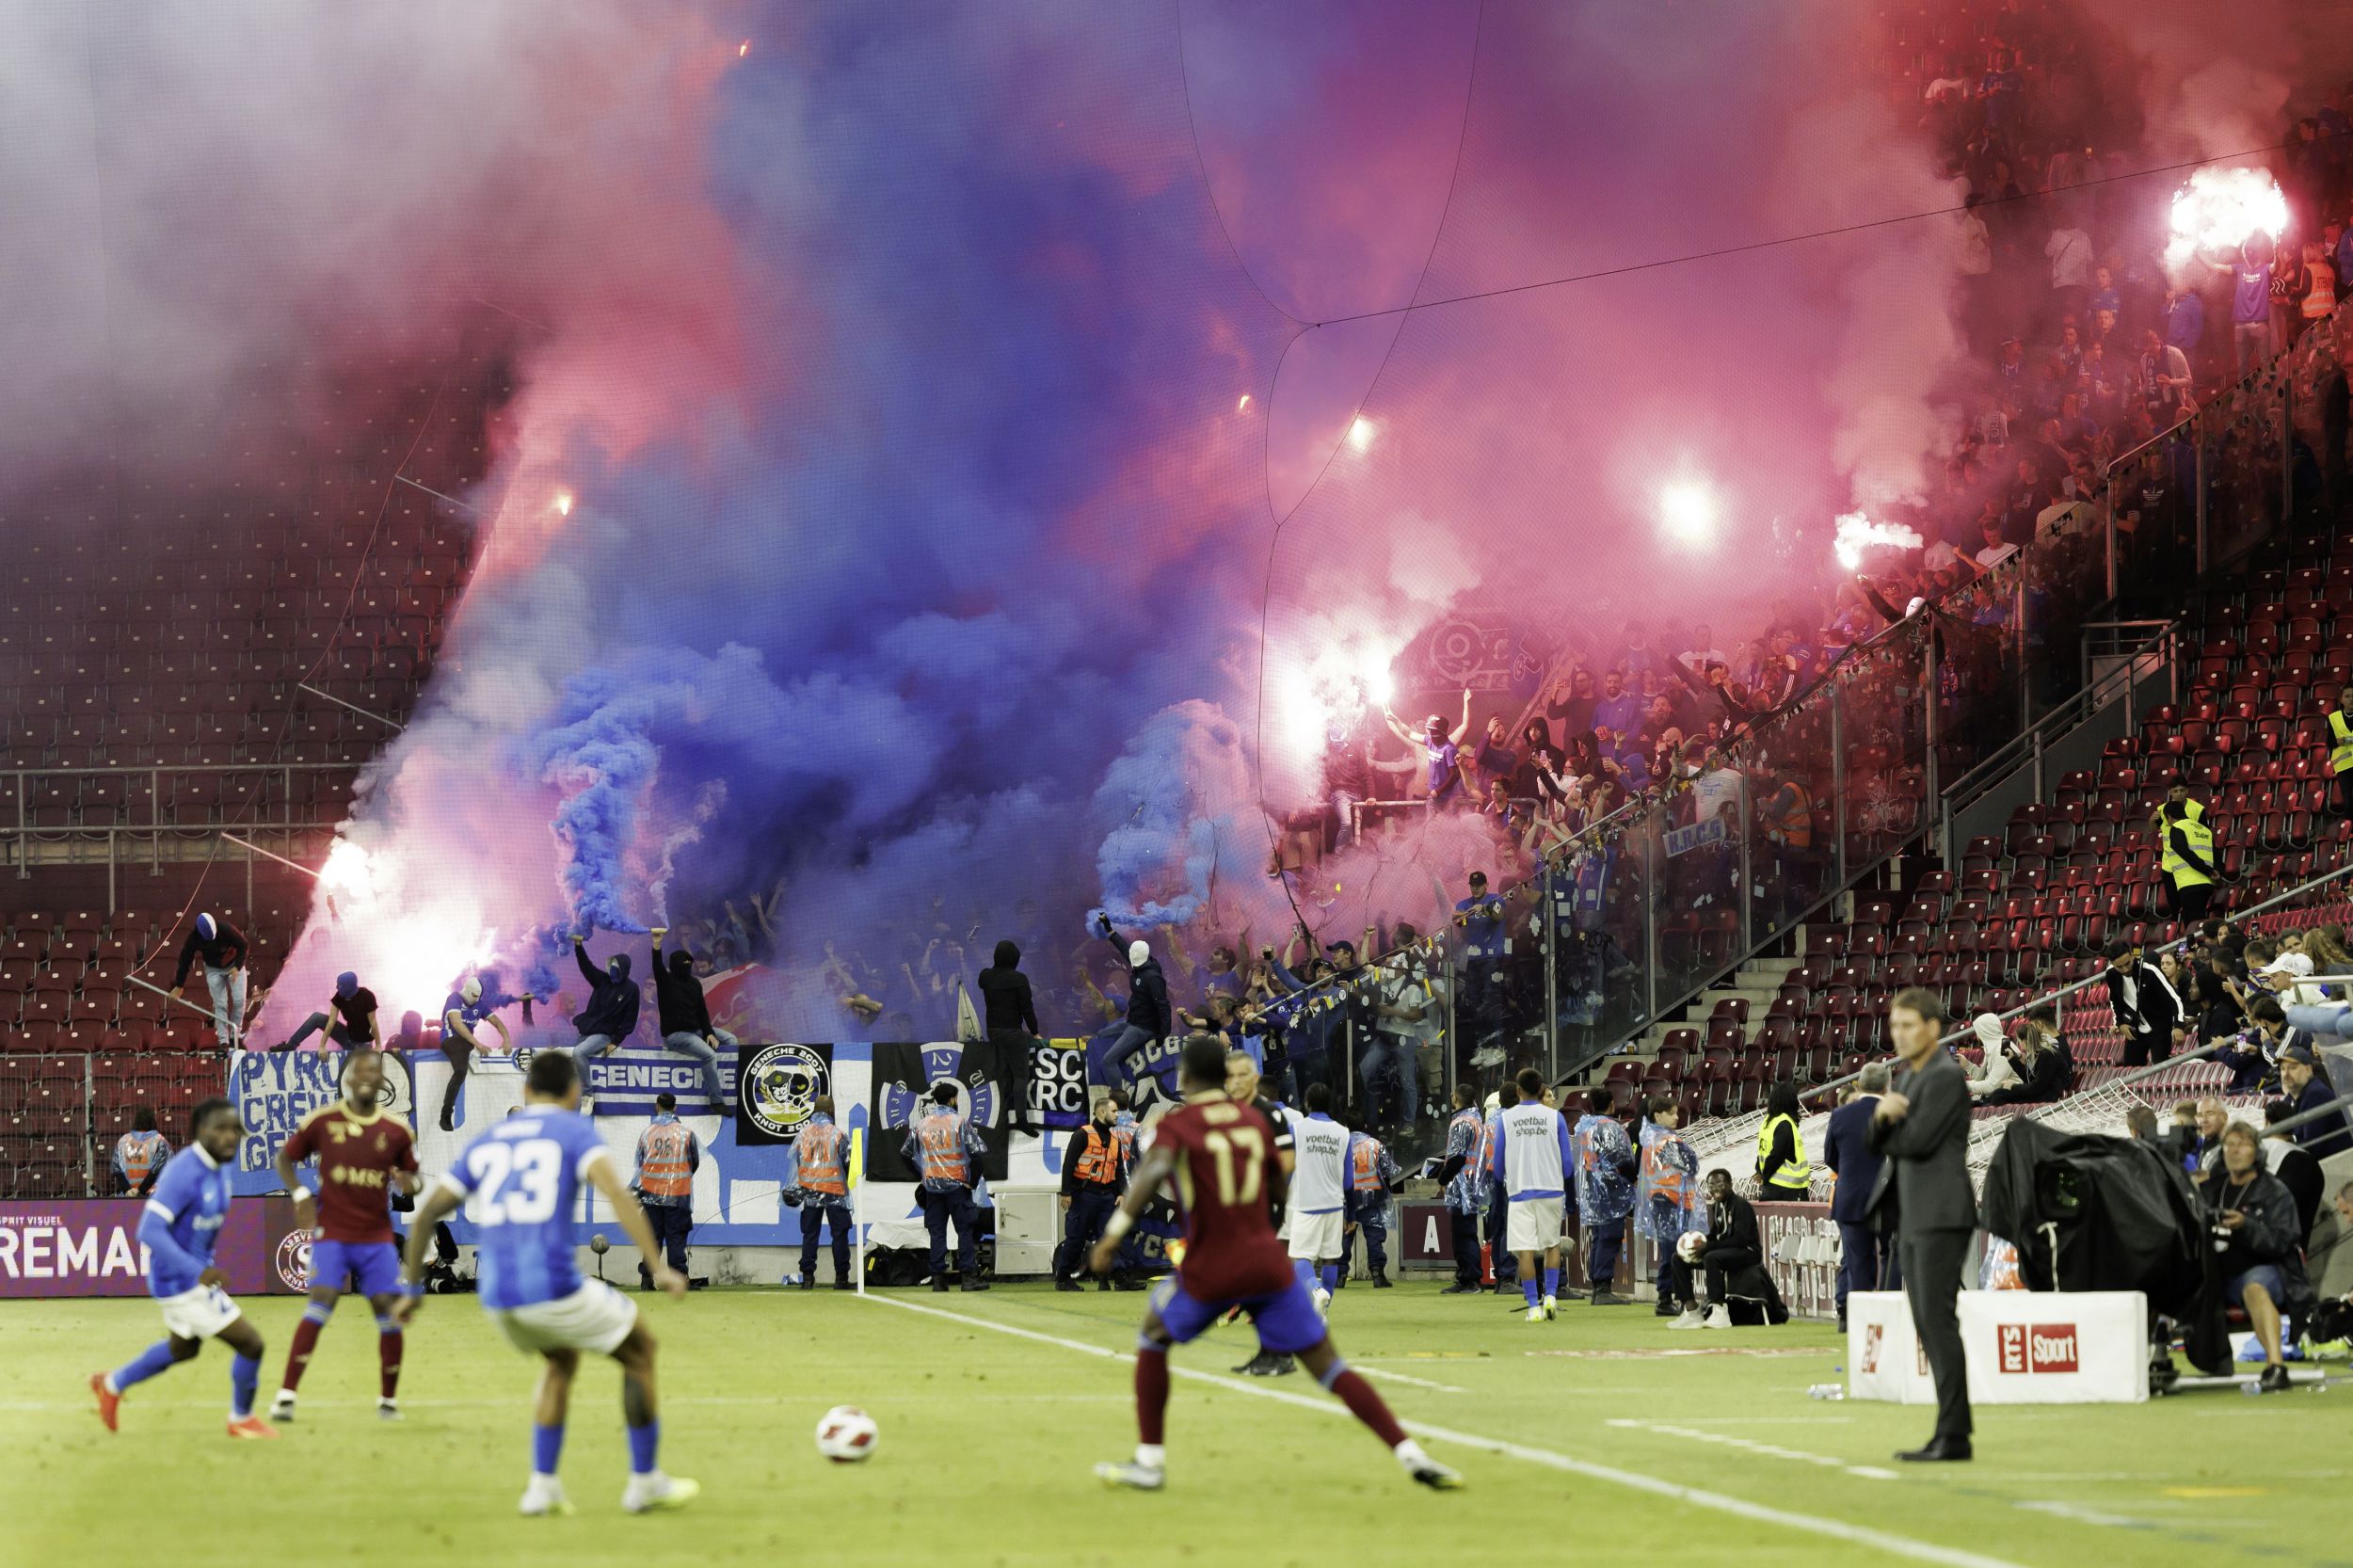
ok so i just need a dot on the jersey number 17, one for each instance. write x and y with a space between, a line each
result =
1223 1148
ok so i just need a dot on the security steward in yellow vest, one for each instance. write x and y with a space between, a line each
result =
1781 1173
1093 1175
2186 855
668 1159
821 1191
2341 752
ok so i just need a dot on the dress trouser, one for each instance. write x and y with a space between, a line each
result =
813 1218
671 1221
1932 1264
1465 1224
1090 1211
938 1208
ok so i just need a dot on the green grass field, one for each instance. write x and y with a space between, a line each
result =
988 1436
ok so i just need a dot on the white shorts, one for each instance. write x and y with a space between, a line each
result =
1317 1237
594 1317
197 1314
1534 1224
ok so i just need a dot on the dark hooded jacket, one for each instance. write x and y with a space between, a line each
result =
226 951
1005 994
612 1009
678 994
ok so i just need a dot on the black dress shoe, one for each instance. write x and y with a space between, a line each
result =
1382 1282
1069 1285
844 1285
1459 1291
2275 1379
939 1286
976 1284
1940 1450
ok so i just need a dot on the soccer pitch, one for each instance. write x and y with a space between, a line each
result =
1603 1432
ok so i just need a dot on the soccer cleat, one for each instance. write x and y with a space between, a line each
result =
1282 1365
109 1403
387 1410
1552 1308
283 1407
1136 1477
1536 1313
251 1426
1255 1367
1425 1469
544 1498
646 1493
1323 1301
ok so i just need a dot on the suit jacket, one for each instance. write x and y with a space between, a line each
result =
1924 1185
1847 1149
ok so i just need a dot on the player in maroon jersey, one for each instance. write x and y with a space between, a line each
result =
1220 1158
362 1155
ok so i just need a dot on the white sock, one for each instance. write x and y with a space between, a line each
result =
1409 1453
541 1479
1151 1456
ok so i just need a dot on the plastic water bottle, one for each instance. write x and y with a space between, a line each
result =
1826 1391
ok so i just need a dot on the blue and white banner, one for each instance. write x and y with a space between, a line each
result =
1681 840
276 1090
624 1080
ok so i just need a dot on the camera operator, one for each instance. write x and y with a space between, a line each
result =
2252 1221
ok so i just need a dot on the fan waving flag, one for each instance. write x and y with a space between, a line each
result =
987 1077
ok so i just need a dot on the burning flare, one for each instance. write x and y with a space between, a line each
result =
2221 209
1857 534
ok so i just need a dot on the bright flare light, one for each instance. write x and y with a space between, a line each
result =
346 873
742 49
2221 209
1244 406
1857 534
1334 692
1689 515
564 503
1361 433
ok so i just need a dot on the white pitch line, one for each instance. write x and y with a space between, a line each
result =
1386 1374
1836 1529
2087 1515
1770 1451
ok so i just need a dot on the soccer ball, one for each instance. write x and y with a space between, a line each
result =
847 1434
1689 1245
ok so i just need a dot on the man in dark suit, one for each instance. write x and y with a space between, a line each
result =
1866 1256
1921 1129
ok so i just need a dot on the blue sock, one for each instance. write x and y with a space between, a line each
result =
155 1358
243 1373
1305 1270
1528 1288
546 1447
1330 1275
643 1441
1552 1282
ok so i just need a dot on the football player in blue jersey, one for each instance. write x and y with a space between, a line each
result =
523 1179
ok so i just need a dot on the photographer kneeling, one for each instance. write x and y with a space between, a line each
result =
2251 1217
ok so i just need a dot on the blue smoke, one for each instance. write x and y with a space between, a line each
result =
1170 793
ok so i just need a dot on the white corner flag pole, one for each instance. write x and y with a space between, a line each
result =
857 1229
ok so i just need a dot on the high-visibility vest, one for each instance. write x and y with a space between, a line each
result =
821 1150
139 1152
1099 1156
664 1171
1797 1176
2340 743
944 1158
1364 1165
1795 823
2192 827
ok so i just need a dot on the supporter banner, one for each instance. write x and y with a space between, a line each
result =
777 1088
1058 1084
90 1247
624 1080
1156 1060
276 1090
904 1075
1682 840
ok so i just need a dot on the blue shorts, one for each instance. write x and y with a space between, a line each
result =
2265 1274
1286 1319
364 1268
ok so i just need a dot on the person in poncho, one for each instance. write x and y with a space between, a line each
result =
1605 1175
1666 1198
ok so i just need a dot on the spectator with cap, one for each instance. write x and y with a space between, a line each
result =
1441 750
945 1147
2307 1091
222 947
1480 918
2260 1249
2293 1164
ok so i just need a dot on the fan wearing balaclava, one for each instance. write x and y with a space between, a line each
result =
611 1016
1148 1015
686 1018
348 1018
473 1005
223 948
